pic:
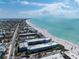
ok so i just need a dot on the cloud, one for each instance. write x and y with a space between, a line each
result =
24 2
56 9
32 3
39 4
3 13
77 1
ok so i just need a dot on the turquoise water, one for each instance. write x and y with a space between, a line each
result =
67 29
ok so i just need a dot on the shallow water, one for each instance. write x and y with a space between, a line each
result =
67 29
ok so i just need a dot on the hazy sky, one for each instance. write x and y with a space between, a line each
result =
23 8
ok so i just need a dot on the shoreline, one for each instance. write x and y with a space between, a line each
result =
74 48
68 45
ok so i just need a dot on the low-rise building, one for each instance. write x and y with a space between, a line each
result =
2 50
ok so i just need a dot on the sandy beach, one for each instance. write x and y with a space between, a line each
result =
68 45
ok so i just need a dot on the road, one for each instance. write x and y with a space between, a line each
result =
12 45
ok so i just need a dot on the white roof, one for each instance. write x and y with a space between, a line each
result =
38 39
23 44
41 45
30 37
26 33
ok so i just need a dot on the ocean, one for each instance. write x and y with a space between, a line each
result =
64 28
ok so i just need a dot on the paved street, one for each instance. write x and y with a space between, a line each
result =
12 45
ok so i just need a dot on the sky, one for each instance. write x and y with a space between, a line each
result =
35 8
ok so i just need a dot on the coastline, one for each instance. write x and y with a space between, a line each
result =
68 45
74 48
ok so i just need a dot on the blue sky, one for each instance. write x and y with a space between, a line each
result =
34 8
